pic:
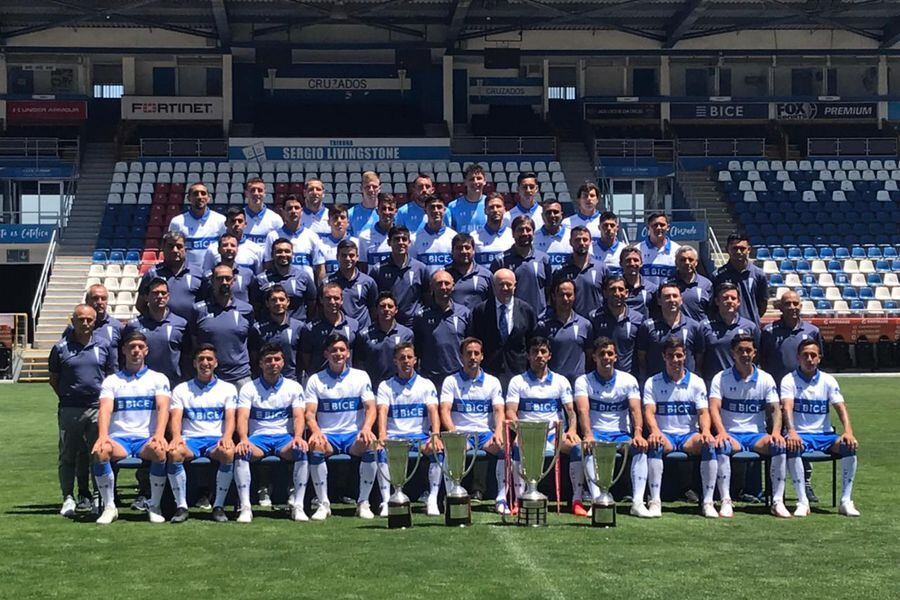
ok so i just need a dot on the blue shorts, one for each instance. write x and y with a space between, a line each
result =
271 445
747 440
418 438
132 445
202 445
678 440
483 437
341 442
617 437
818 442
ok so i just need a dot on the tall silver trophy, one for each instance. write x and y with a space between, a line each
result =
457 504
603 455
532 440
399 510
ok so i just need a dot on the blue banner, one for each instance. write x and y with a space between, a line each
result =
720 111
680 231
344 149
26 234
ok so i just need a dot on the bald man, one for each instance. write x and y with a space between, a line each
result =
505 323
439 329
106 328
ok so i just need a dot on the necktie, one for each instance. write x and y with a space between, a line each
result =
504 323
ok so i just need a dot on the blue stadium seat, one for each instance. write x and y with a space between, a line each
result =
823 305
825 252
890 305
866 294
857 305
890 252
874 279
100 257
816 293
841 253
779 253
841 279
801 293
794 253
849 293
809 280
802 266
762 253
810 253
133 257
882 265
786 266
895 265
117 256
835 266
776 279
858 251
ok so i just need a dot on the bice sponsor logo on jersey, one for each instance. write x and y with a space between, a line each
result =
407 411
462 405
745 405
676 408
268 414
538 405
135 403
204 414
339 405
815 407
602 406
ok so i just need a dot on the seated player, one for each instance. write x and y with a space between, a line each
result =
201 421
540 394
806 396
270 422
675 405
471 402
340 414
134 410
408 410
740 400
608 402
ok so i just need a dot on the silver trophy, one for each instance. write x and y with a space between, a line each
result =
532 439
603 455
458 506
399 510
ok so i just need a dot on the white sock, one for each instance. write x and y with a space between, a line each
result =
777 475
367 471
708 469
223 482
384 483
654 476
589 473
638 477
301 476
795 466
576 476
106 483
723 478
242 481
518 482
157 483
178 482
848 472
434 481
500 472
318 470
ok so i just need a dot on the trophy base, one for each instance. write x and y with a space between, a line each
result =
603 515
532 512
457 511
399 515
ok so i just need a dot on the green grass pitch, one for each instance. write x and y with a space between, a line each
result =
679 556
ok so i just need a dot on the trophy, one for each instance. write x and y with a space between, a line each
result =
457 505
532 439
399 511
603 455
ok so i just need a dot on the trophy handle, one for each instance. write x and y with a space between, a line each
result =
440 462
474 439
624 449
556 449
418 447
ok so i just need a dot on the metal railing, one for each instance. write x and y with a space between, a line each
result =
177 147
31 151
504 145
18 340
851 146
38 301
721 146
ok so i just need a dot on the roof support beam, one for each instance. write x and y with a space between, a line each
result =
683 20
86 15
891 33
223 28
457 20
368 21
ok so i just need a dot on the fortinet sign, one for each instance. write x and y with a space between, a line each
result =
171 108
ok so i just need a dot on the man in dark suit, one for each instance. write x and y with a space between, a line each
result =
505 324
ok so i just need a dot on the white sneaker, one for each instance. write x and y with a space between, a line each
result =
383 509
709 511
324 511
68 507
364 511
502 508
109 515
297 513
848 509
726 510
431 507
654 507
802 510
245 515
638 509
264 500
155 514
203 503
780 510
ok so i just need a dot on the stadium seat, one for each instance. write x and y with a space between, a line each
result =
840 307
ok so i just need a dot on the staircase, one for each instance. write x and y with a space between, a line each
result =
702 193
577 165
69 272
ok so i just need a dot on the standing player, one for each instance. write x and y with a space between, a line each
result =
374 242
412 214
586 210
360 290
531 267
277 326
609 410
439 330
540 394
362 216
617 321
494 237
295 281
471 281
134 411
375 346
405 277
672 323
340 414
331 320
106 328
199 225
471 402
260 220
640 291
527 199
722 328
696 290
741 398
658 251
327 260
304 240
467 211
165 331
608 248
246 253
752 283
315 216
227 250
585 271
807 394
270 422
185 282
675 406
433 244
201 421
569 333
408 410
552 238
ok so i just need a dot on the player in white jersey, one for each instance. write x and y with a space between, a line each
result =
326 261
540 394
552 238
527 201
303 239
740 400
340 413
676 412
131 422
609 410
374 242
472 402
608 248
200 226
408 410
658 251
270 422
201 421
433 244
586 213
807 394
494 237
245 254
260 220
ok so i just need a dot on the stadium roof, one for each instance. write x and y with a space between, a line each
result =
453 21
